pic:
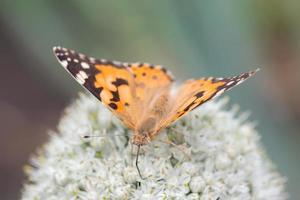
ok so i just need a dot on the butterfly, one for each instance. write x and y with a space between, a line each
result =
142 95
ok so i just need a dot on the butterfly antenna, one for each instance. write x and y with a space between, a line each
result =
137 161
95 136
91 136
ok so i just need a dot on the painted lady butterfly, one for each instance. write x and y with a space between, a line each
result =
140 94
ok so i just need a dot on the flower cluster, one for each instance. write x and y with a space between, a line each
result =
209 154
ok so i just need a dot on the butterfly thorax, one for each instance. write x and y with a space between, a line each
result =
144 131
149 124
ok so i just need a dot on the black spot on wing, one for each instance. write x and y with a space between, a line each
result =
195 102
113 106
188 107
199 94
116 97
119 81
180 114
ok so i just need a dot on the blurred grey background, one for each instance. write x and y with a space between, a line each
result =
191 38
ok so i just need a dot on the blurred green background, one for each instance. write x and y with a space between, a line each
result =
191 38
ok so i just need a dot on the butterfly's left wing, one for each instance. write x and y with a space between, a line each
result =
125 88
193 93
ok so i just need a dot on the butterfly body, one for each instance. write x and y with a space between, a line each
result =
142 95
149 126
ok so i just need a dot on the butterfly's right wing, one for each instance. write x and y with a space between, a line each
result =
194 93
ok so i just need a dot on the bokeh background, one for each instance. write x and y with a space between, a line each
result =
191 38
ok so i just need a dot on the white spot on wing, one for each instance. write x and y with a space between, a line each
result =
159 67
230 83
240 81
80 80
117 63
92 60
81 56
81 76
84 65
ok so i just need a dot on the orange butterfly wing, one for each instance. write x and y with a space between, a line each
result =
122 87
193 93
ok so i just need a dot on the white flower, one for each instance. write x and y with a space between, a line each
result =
217 156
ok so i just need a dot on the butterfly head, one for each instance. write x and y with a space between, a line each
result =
141 139
144 131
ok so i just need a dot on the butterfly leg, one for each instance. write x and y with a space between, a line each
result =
137 161
176 146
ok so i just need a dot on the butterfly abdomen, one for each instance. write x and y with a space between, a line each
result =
147 125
